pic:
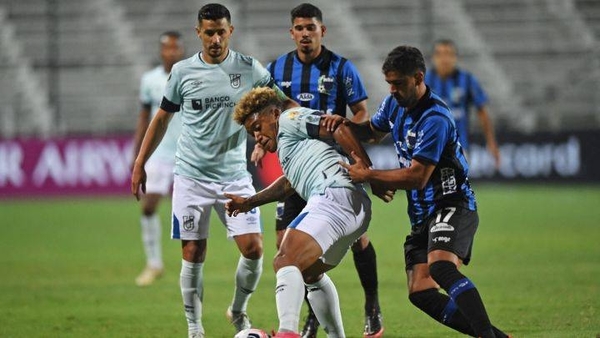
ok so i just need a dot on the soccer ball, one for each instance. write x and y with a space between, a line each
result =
252 333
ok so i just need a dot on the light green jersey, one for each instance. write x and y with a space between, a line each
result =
311 165
212 147
152 87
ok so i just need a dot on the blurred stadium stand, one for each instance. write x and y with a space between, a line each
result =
73 66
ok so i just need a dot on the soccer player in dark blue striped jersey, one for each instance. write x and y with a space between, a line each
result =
441 204
320 79
460 90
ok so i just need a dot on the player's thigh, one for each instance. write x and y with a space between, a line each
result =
159 177
299 249
243 223
451 234
191 204
335 220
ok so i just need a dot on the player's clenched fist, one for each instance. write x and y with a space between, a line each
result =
236 205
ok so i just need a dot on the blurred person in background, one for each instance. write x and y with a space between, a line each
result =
460 90
160 165
320 79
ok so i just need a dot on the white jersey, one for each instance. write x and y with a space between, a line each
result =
152 88
212 147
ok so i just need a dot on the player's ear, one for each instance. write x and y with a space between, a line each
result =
198 30
419 76
323 30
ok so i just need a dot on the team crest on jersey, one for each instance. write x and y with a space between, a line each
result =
292 115
188 223
325 84
235 80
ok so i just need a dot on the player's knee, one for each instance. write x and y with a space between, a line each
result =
281 261
444 273
252 251
422 298
312 278
361 244
148 211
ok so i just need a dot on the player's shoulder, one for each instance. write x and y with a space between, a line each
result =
241 58
185 64
388 104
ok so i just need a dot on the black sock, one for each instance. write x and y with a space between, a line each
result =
365 262
441 308
464 294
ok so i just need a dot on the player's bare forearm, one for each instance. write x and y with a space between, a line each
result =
154 134
278 190
414 177
360 112
486 125
345 138
140 130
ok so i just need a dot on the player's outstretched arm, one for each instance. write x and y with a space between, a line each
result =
414 177
156 130
278 190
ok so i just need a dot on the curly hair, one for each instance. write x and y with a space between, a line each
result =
405 60
253 102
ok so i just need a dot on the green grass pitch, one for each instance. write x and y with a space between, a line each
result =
68 268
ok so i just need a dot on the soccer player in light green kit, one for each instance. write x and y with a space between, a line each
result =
210 159
337 211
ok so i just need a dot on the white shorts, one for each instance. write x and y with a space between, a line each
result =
193 201
335 220
159 176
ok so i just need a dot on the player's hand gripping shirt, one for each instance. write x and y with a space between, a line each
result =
427 133
311 165
212 147
152 88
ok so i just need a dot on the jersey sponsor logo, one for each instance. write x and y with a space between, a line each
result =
325 84
218 102
286 84
448 178
441 227
235 80
188 223
411 138
305 97
441 239
456 95
197 104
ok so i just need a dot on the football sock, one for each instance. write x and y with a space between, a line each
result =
441 308
324 299
464 294
191 292
151 232
366 265
289 293
311 313
246 279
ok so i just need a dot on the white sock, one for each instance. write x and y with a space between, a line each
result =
323 298
246 279
151 232
191 292
289 295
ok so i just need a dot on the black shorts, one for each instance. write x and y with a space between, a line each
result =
449 229
287 212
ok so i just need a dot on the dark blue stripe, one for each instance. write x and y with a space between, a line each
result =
459 287
175 228
449 311
297 220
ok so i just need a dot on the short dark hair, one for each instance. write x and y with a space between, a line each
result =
306 10
446 42
169 34
213 12
405 60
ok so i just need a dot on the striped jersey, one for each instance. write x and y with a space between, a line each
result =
427 132
328 84
460 91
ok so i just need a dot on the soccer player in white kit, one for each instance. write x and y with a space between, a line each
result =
337 211
160 165
210 159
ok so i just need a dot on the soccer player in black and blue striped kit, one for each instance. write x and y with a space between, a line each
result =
317 78
441 204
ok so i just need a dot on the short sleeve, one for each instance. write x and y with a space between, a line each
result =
301 124
145 95
354 89
260 75
477 93
381 119
172 95
432 137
